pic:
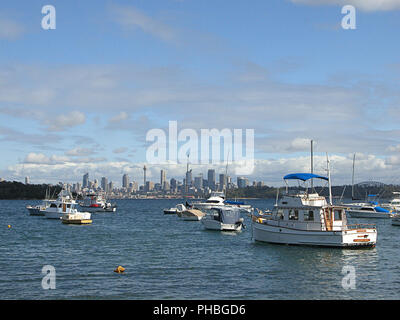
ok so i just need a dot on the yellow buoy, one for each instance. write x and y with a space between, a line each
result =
9 226
119 269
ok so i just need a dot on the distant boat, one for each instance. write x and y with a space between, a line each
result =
64 204
396 219
366 209
223 219
96 202
370 209
188 213
39 209
394 204
217 200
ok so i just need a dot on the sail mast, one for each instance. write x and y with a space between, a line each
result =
329 180
352 179
312 165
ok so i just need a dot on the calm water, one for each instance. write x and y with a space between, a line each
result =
166 258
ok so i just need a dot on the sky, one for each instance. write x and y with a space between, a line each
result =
83 97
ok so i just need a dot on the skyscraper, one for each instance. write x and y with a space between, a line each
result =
162 178
173 185
222 182
198 182
211 179
125 181
242 182
104 184
144 177
85 181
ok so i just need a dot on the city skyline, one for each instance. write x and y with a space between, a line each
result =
83 96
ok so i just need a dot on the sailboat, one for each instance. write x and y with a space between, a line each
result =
366 209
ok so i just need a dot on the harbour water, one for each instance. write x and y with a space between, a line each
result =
167 258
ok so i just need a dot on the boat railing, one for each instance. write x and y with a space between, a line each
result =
360 226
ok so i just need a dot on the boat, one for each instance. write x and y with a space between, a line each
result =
170 210
224 219
38 210
64 204
96 202
394 204
216 200
308 219
396 219
367 209
370 209
76 217
189 213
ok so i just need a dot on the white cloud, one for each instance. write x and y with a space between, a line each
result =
78 152
65 121
366 5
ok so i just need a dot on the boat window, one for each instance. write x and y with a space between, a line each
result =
338 215
213 201
68 205
53 205
280 214
60 205
293 214
309 216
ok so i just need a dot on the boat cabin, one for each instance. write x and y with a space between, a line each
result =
308 212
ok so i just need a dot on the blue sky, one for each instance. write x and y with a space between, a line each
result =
82 97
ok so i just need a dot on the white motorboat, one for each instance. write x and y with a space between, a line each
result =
189 214
170 210
367 210
97 203
394 204
308 219
64 204
217 200
39 209
224 219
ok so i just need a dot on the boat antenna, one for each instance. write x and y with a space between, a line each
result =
329 179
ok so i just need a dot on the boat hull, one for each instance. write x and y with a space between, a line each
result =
170 211
368 214
35 211
346 238
211 224
53 215
98 209
77 221
396 222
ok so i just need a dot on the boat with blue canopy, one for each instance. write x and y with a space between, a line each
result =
306 218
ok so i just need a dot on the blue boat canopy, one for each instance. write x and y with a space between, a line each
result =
303 176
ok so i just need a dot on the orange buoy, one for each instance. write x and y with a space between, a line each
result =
119 269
